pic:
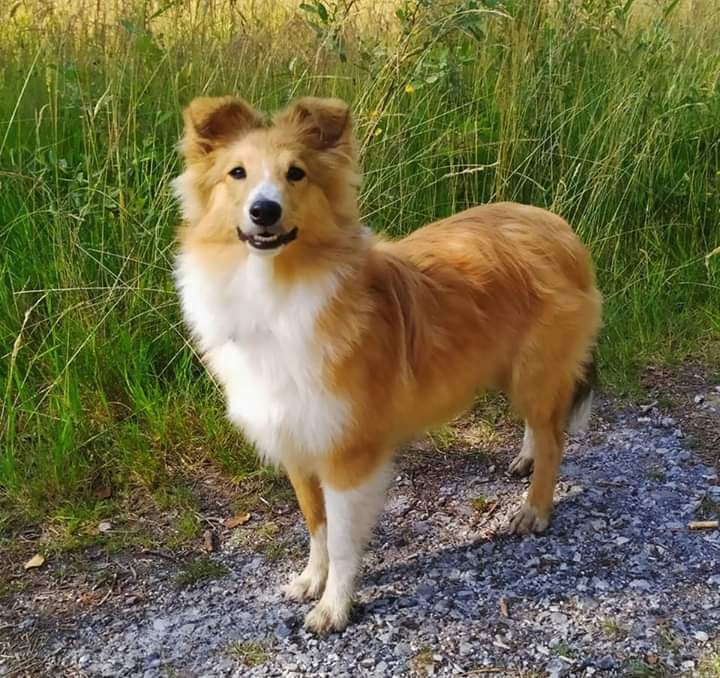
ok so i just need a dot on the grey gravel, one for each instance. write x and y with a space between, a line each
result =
617 579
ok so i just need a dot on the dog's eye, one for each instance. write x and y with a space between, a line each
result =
237 173
295 174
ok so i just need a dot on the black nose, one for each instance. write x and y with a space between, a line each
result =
265 212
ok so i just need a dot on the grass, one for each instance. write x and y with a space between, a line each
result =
200 569
266 540
606 112
710 666
443 438
656 475
638 668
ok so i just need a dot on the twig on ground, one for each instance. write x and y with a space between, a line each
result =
704 524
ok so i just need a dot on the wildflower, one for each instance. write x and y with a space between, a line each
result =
409 89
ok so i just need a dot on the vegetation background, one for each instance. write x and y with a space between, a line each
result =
606 112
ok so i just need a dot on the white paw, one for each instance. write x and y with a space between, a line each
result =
305 586
529 519
326 617
521 466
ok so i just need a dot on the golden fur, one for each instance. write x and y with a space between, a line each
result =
497 297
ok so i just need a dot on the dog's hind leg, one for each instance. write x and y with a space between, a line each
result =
522 465
311 581
546 419
534 515
351 515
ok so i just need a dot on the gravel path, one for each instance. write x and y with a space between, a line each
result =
618 584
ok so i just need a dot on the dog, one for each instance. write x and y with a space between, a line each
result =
334 346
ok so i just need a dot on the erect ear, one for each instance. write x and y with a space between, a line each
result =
211 121
323 123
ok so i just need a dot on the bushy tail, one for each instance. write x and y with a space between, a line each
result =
583 399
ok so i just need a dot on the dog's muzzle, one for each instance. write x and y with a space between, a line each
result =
265 240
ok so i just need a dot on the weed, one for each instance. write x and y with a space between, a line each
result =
638 668
423 658
563 649
708 508
250 653
612 628
669 640
480 504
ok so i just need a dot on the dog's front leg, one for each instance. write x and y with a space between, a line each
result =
351 514
311 581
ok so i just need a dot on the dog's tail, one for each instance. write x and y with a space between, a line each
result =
582 401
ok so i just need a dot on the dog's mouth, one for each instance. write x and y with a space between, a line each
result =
268 241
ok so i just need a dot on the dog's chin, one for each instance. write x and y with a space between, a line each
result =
267 245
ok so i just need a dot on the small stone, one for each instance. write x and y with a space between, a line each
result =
402 649
421 527
282 631
606 662
620 541
699 399
640 585
556 668
104 526
161 625
559 618
701 636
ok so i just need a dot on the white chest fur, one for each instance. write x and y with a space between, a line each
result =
260 341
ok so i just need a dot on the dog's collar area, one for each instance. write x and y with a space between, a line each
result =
269 241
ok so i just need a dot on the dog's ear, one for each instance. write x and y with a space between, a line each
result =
323 124
211 121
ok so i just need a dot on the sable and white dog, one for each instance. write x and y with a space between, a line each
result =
334 346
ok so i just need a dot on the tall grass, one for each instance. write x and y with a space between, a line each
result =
606 112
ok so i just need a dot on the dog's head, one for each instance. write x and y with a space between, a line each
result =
264 186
